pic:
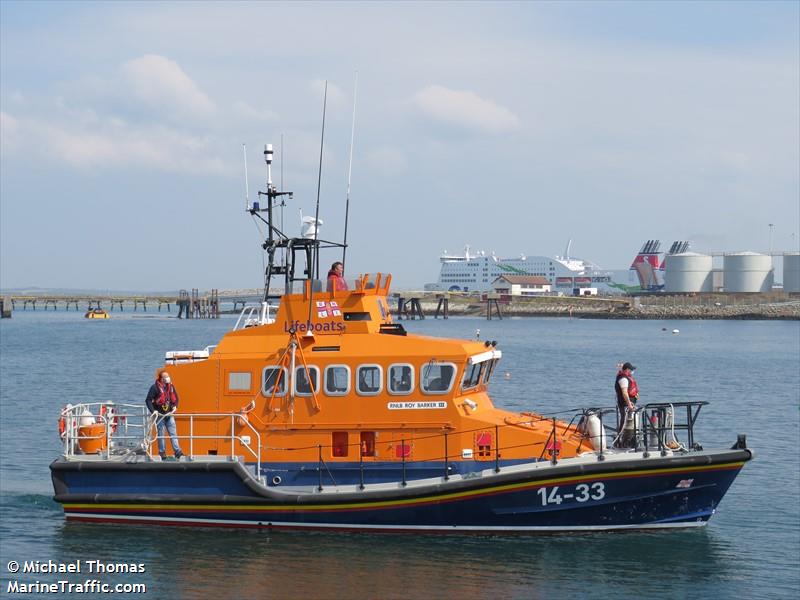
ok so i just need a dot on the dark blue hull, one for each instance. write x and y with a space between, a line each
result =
621 492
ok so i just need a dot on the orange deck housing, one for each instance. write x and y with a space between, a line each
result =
340 339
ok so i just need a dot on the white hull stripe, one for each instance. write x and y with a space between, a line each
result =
282 524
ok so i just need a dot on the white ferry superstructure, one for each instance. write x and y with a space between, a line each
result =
475 272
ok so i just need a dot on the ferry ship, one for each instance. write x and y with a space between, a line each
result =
475 272
318 412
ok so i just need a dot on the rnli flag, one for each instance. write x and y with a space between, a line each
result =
327 309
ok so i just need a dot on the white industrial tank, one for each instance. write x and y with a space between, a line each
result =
747 272
791 272
688 272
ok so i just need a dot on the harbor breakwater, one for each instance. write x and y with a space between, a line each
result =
773 306
768 306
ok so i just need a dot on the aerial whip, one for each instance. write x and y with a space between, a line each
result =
349 171
315 268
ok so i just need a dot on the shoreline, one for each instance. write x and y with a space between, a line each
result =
738 308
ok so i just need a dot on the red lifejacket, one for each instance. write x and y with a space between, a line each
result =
633 388
166 397
336 282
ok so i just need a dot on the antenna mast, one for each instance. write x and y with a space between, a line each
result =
270 244
315 267
349 172
283 203
294 251
246 186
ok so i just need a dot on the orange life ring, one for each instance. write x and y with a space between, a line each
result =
62 427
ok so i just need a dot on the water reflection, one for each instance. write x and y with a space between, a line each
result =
206 563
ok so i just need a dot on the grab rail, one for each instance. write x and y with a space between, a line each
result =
234 418
130 428
254 315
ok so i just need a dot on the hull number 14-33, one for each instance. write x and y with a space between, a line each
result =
581 493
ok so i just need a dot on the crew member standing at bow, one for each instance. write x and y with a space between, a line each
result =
627 391
162 400
336 282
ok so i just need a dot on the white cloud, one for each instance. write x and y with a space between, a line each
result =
161 84
110 143
8 125
10 139
387 160
246 111
465 109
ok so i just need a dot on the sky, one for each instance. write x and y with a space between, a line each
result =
512 127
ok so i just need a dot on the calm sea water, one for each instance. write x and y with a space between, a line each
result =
749 371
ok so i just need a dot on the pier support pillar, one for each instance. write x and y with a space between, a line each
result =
443 306
409 308
492 305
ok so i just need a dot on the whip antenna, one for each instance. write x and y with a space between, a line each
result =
246 187
283 202
349 171
315 267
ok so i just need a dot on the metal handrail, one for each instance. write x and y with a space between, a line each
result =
113 416
262 316
651 433
233 438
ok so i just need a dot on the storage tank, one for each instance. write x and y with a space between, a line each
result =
687 272
791 272
747 272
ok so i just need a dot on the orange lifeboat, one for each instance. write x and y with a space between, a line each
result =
319 411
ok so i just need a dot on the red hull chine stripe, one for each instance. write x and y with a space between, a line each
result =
434 529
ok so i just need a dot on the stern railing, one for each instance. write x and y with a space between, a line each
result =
116 429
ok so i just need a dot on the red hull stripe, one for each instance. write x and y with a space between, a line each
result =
428 529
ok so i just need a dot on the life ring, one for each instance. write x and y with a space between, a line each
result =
62 427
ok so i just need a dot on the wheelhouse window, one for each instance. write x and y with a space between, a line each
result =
472 375
370 380
337 380
487 372
437 378
304 380
401 379
273 380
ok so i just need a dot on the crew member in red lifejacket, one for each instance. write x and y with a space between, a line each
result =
627 395
162 400
336 282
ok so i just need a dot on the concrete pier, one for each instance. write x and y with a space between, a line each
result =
205 306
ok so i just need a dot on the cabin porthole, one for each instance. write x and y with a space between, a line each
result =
276 480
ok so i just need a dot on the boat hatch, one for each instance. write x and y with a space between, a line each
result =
177 357
392 329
